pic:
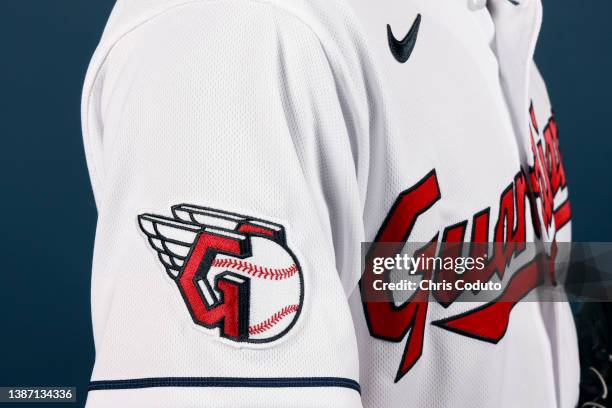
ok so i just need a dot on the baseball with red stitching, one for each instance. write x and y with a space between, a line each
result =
238 278
275 286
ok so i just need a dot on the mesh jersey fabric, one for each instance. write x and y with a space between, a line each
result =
296 113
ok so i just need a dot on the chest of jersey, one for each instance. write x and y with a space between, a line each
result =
469 161
448 110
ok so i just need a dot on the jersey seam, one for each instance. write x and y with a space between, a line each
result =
113 43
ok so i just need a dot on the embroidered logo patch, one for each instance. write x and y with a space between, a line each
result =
236 274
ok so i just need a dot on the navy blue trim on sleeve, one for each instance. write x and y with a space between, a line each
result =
233 382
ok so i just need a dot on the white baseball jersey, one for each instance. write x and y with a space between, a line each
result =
240 152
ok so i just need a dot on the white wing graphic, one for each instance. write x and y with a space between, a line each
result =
171 239
205 217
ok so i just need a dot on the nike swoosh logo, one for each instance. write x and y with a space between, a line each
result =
401 50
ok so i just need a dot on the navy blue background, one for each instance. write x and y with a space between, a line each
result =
47 214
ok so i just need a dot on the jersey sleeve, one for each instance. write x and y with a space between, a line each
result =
222 169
